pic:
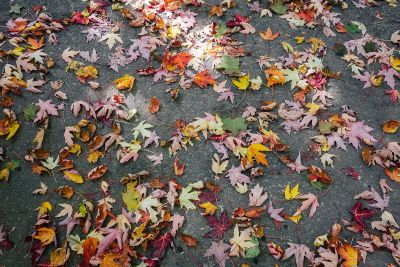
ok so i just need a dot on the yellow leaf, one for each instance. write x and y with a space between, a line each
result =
45 235
295 218
4 174
243 82
87 72
59 256
320 240
125 82
94 156
313 108
209 208
74 177
395 63
255 151
75 149
288 48
13 129
376 80
292 193
109 260
299 39
391 126
349 254
44 208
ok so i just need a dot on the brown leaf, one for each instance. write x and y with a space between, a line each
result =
189 240
97 172
154 105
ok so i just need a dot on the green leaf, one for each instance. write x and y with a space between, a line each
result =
370 47
131 197
292 76
318 185
142 129
16 9
234 125
29 112
13 165
352 28
187 196
221 30
253 251
278 7
50 163
325 127
82 209
229 64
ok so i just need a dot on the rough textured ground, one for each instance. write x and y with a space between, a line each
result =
17 203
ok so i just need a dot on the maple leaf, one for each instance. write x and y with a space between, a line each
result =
218 250
243 82
141 128
112 39
255 151
357 130
274 76
268 35
299 251
291 193
380 202
31 85
229 65
235 176
274 213
219 226
240 241
256 196
297 166
181 59
360 214
46 108
202 79
327 159
68 54
349 254
217 166
309 201
327 258
161 244
187 196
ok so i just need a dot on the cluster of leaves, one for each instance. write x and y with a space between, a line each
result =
148 224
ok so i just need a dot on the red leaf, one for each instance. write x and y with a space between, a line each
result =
219 226
154 105
360 214
5 242
161 244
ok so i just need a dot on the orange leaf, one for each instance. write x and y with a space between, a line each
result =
35 45
125 82
275 76
216 10
394 174
349 254
391 126
154 105
182 59
45 235
202 79
268 35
